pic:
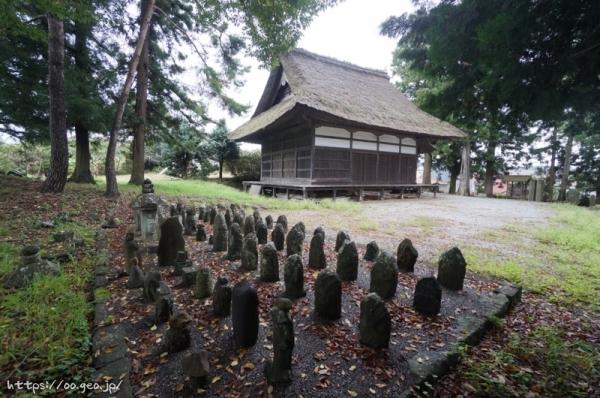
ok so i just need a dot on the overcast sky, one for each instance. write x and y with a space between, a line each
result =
348 31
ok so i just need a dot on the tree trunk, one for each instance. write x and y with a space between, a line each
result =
465 170
427 168
82 172
59 150
112 188
562 194
490 169
141 106
221 161
551 180
452 186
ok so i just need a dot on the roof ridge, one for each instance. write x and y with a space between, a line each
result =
340 63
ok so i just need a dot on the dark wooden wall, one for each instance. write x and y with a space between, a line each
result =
290 156
286 155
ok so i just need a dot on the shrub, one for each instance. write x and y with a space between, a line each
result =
247 167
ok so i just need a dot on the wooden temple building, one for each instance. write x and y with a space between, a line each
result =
327 125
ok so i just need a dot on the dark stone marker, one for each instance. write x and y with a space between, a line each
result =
151 284
177 337
190 222
347 262
244 314
262 233
406 256
207 212
248 225
249 253
316 254
201 211
203 286
269 263
163 308
171 241
384 276
256 215
428 296
278 236
136 276
196 366
132 251
236 241
228 218
294 241
300 226
293 276
238 217
280 369
375 323
328 295
451 269
372 251
283 221
220 233
188 276
213 215
269 221
340 239
200 233
181 262
221 298
319 230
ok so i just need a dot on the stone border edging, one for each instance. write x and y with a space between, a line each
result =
109 349
427 366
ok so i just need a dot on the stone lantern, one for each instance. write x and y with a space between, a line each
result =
150 211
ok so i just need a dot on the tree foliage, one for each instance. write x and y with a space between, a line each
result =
496 68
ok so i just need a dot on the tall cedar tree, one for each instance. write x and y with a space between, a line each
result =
220 148
59 150
457 57
109 165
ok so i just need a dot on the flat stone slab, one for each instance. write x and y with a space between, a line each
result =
108 345
115 375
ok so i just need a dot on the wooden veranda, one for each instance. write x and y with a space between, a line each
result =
305 190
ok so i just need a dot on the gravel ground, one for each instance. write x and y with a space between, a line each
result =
433 224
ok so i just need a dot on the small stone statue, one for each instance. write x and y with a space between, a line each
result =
132 250
280 369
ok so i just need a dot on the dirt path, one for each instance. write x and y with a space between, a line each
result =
433 224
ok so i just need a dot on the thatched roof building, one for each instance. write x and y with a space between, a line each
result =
324 121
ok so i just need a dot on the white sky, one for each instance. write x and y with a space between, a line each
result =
348 31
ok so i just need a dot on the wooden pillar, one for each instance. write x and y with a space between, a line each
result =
465 170
287 193
334 194
426 168
304 193
274 194
361 194
381 194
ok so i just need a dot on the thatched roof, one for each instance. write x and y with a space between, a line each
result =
359 95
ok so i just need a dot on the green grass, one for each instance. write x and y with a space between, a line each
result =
561 260
425 223
564 367
367 225
208 191
44 326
